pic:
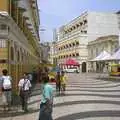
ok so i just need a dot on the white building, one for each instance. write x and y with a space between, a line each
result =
74 36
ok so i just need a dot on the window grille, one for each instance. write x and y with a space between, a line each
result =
2 43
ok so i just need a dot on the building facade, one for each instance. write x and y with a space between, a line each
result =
53 56
19 37
45 52
118 14
105 43
74 36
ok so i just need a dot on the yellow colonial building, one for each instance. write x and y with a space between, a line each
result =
19 37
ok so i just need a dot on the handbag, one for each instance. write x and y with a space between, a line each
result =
46 107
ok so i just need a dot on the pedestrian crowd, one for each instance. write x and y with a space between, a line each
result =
24 91
6 89
61 80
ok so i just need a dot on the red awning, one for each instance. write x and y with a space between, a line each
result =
71 62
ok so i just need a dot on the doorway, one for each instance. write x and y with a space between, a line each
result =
84 67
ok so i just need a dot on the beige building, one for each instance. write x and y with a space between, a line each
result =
72 38
53 53
106 43
45 52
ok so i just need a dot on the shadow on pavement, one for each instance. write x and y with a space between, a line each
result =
110 86
75 84
87 102
89 90
35 93
81 94
90 114
16 113
31 110
36 101
108 79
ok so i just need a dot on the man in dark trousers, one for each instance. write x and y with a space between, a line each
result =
58 82
24 90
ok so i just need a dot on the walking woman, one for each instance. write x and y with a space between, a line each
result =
46 101
63 80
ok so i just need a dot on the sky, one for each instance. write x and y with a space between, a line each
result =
55 13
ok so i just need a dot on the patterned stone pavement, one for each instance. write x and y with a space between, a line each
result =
87 98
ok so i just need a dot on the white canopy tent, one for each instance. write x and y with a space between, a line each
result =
116 55
106 56
102 56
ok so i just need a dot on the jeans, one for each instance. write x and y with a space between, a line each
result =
45 115
7 97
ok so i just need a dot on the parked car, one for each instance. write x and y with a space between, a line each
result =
71 70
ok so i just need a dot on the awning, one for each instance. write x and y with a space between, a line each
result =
71 62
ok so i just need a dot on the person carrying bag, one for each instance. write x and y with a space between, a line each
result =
46 101
6 89
24 91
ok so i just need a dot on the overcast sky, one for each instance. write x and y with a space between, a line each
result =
55 13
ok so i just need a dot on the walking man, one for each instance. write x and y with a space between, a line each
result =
24 90
6 89
58 82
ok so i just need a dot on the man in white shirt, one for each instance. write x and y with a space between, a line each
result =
24 89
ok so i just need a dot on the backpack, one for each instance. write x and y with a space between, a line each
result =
6 82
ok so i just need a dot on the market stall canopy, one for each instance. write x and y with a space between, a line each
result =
102 56
71 62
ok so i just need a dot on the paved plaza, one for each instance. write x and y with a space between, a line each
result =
87 98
